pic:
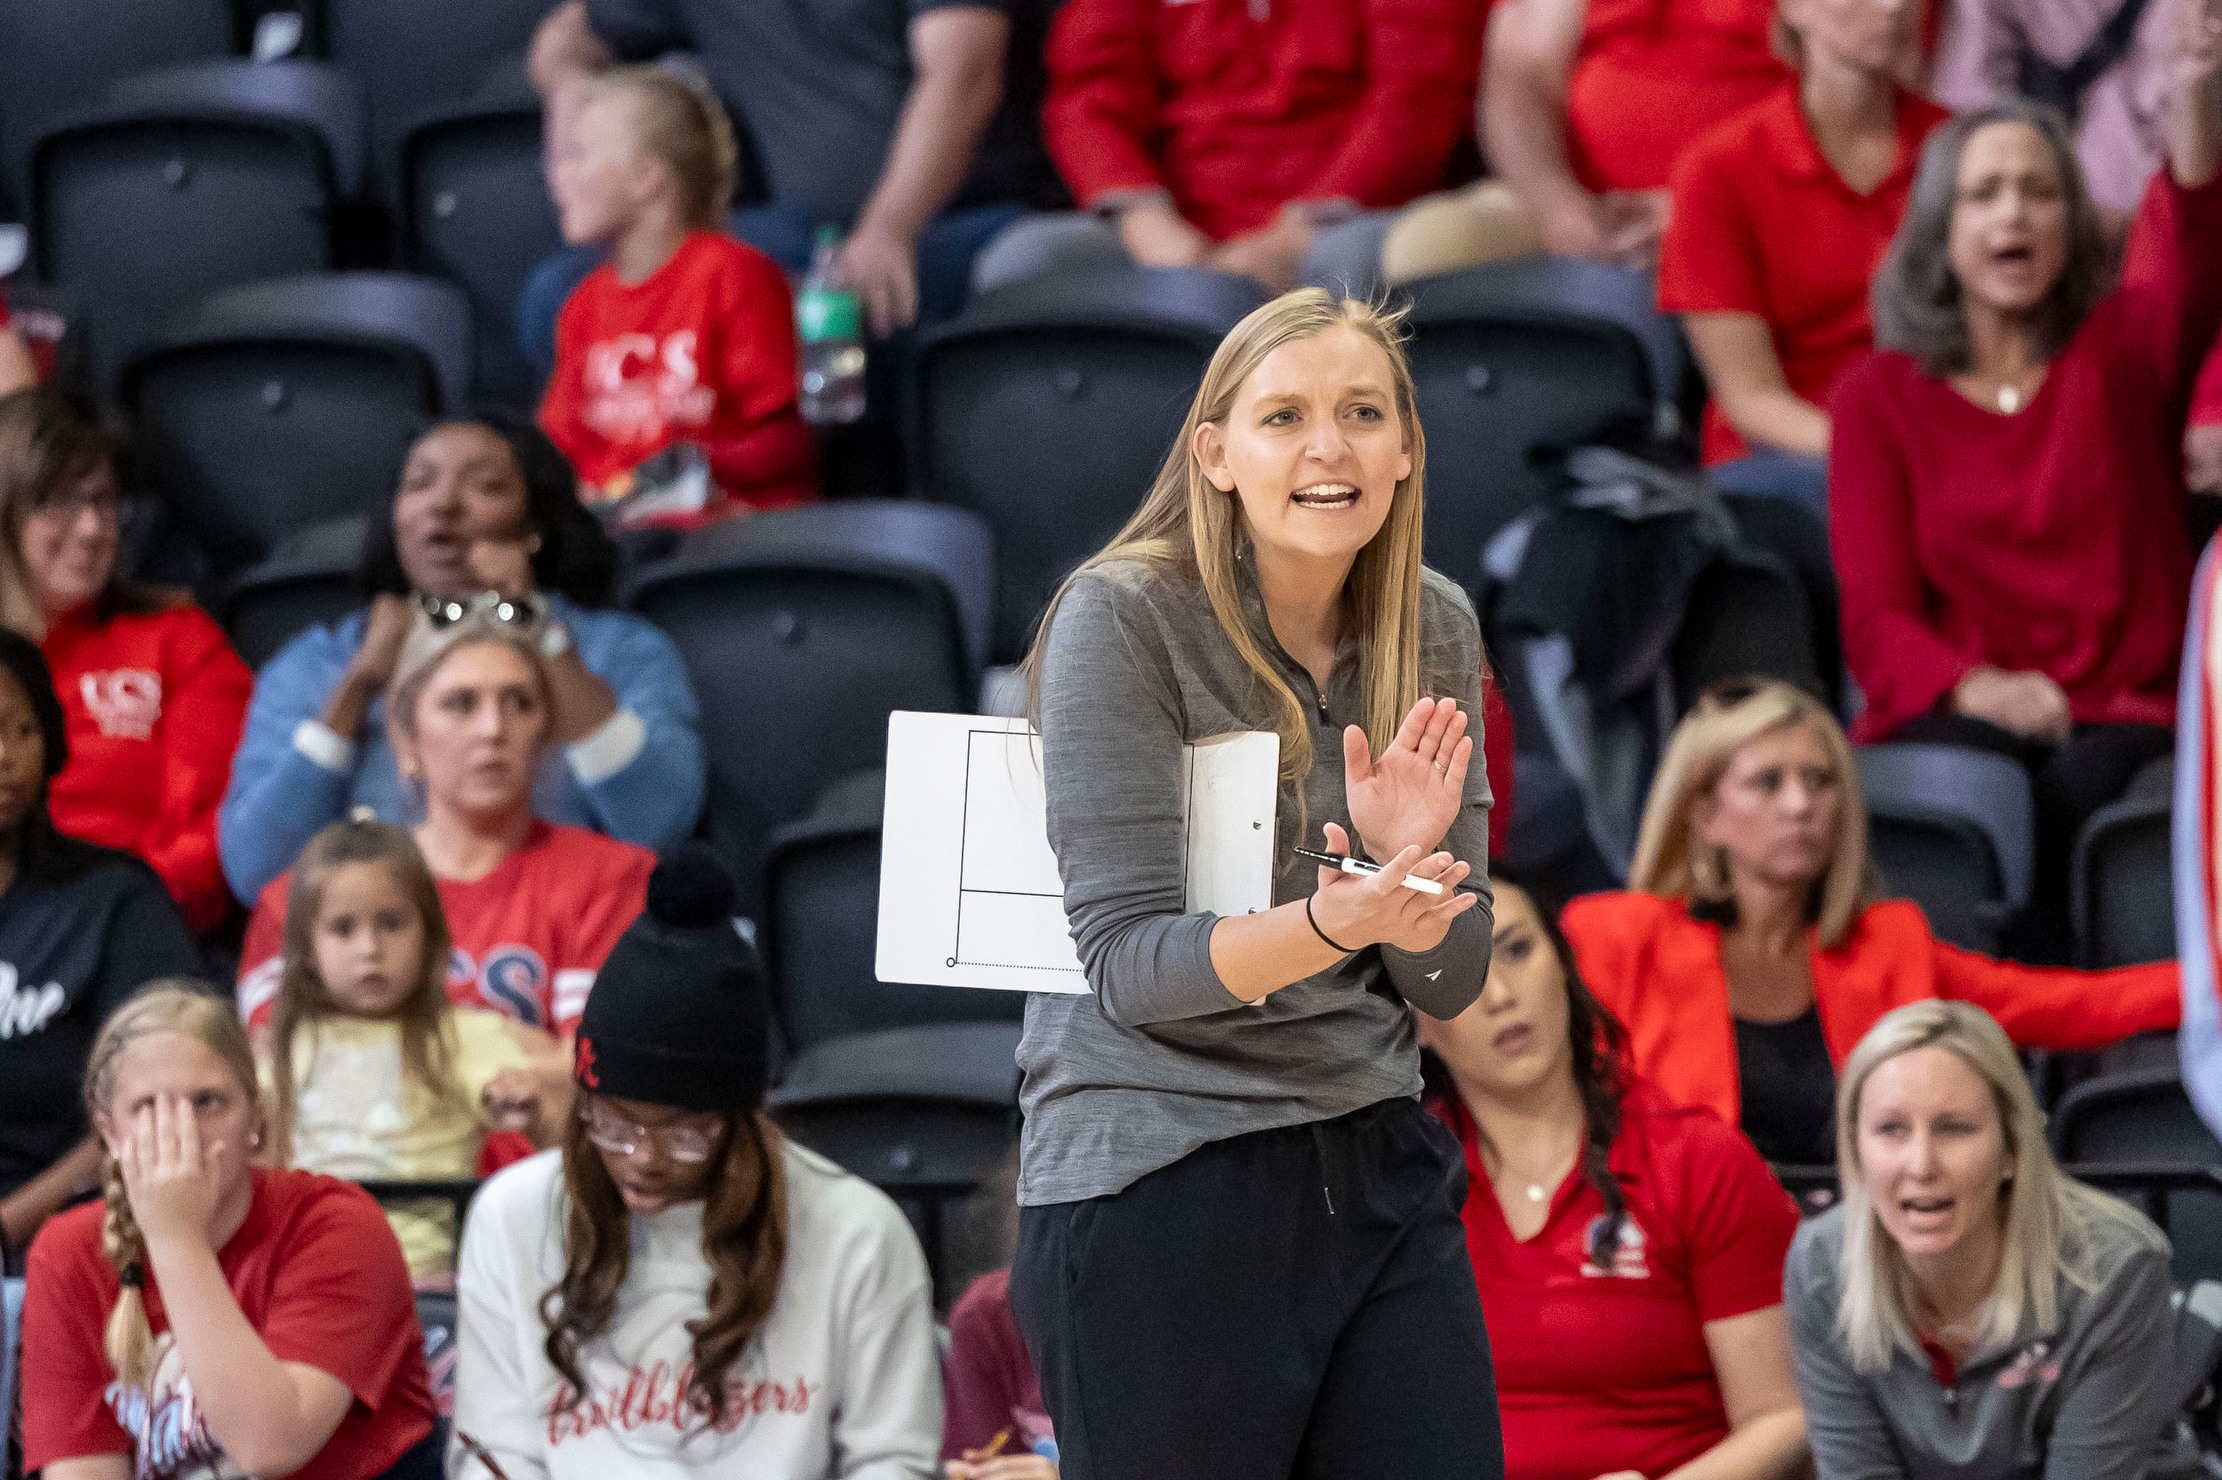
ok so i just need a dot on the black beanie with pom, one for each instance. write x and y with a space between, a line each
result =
678 1015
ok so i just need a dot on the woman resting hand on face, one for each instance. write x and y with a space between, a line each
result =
212 1316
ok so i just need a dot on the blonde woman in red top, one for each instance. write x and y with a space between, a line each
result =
684 335
154 695
1751 954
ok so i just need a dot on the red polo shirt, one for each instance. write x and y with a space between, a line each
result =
1604 1367
1652 75
1727 250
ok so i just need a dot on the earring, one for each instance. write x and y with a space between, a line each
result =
254 1140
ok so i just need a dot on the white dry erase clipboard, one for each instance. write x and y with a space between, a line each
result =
969 890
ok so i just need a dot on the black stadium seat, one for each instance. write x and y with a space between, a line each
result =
913 1088
54 57
802 629
1520 354
1047 407
415 56
307 581
283 404
2124 900
2144 1118
182 182
475 210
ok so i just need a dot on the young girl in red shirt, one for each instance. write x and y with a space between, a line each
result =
684 335
212 1316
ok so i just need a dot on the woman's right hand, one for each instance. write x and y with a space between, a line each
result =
169 1176
388 628
2028 704
1358 910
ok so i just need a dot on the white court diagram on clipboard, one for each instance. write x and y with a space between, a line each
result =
969 890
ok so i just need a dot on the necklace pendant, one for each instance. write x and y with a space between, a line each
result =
1535 1194
2009 399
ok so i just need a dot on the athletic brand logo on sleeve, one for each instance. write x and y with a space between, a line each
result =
125 702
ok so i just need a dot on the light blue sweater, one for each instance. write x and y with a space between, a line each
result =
280 797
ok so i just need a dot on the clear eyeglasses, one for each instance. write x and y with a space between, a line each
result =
619 1136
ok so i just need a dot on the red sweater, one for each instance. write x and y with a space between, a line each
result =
155 706
1660 972
702 351
1239 106
2049 540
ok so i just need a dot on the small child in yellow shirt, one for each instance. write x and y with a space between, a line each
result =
371 1072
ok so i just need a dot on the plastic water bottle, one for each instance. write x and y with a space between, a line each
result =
829 321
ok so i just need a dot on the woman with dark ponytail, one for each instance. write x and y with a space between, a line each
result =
677 1288
1629 1252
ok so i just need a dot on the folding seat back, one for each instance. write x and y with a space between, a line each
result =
1048 406
53 57
187 181
307 581
475 210
2124 901
282 405
802 629
2144 1119
1518 355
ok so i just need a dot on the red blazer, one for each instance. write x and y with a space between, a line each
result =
1660 973
155 705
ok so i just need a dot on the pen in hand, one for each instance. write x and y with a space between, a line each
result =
1351 865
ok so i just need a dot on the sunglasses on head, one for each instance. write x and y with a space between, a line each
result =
444 612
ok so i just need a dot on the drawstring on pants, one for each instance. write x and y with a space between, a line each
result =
1319 1149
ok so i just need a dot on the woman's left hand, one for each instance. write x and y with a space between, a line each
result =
170 1177
512 1100
1411 795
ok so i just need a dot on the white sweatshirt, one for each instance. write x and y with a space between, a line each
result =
842 1380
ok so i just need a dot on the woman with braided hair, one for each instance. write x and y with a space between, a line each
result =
1629 1252
211 1318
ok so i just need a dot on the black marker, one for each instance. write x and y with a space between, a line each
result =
1359 866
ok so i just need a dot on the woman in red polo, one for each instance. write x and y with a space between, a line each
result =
1781 214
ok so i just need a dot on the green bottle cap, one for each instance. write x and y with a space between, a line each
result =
824 313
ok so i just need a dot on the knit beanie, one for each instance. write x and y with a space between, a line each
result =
27 665
678 1014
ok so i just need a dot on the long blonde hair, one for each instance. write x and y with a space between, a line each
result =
2049 1222
171 1005
1186 525
425 1016
1672 861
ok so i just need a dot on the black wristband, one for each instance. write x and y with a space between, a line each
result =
1323 935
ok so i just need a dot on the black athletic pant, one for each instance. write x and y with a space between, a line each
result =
2071 780
1293 1302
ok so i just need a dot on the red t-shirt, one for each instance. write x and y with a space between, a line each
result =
316 1272
988 1380
1237 107
2052 539
1726 249
154 706
528 937
1604 1369
1652 75
702 351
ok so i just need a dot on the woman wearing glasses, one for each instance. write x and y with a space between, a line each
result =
533 906
484 505
152 691
678 1289
1751 953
